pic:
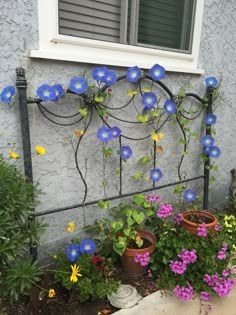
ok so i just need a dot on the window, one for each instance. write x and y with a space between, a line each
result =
122 32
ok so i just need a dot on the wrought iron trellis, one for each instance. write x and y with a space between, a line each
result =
89 100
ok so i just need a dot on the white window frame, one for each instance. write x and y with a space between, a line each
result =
53 45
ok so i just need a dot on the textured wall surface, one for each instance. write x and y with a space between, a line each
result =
56 171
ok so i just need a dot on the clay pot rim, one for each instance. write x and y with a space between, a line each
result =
150 249
204 213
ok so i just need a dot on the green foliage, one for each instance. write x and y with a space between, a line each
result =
18 197
121 229
94 282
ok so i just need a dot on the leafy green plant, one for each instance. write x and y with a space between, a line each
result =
18 197
121 228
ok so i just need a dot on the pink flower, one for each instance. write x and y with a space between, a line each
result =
165 210
142 259
217 227
205 296
179 219
177 266
221 255
187 256
202 231
184 294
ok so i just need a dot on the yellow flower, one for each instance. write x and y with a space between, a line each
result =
157 136
14 155
75 273
40 150
234 247
51 293
71 226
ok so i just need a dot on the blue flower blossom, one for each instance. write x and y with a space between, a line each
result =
100 74
170 107
206 150
157 72
149 99
111 77
59 91
46 93
211 81
78 85
190 195
104 134
133 74
125 152
208 141
116 132
7 94
73 252
156 174
215 152
87 247
210 119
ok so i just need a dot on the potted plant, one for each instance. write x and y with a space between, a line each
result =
128 234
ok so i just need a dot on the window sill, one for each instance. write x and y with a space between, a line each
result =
122 61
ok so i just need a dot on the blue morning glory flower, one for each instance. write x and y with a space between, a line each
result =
156 174
125 152
190 195
59 91
7 94
215 152
115 131
207 141
100 74
133 74
149 99
157 72
46 93
211 81
73 252
210 119
206 150
170 107
104 134
87 247
111 77
78 85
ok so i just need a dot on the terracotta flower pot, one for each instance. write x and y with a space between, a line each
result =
203 216
128 264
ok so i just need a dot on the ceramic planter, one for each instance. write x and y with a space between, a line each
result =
201 216
128 264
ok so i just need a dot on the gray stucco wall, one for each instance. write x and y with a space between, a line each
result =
55 171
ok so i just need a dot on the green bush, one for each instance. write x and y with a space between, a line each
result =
18 231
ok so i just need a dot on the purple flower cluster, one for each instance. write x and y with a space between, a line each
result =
165 210
106 134
217 227
153 198
208 141
178 267
222 253
142 259
178 219
188 256
104 75
205 296
202 230
222 286
184 293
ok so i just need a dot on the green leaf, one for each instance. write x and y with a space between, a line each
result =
99 98
130 221
138 199
117 225
137 175
142 118
182 141
83 112
127 232
102 111
145 159
107 152
103 204
138 217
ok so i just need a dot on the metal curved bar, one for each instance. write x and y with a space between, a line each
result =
55 122
71 116
161 84
123 106
192 118
76 157
201 100
185 147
